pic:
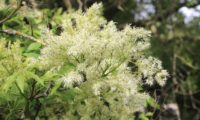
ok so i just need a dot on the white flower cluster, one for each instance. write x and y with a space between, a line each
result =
72 79
96 48
151 69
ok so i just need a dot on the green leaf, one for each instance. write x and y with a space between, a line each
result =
35 77
131 119
151 102
8 82
48 76
66 68
55 87
21 82
34 55
143 117
33 47
149 114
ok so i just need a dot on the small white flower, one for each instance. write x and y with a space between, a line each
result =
72 78
161 77
96 89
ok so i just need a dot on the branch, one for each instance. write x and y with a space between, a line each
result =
17 33
46 92
68 4
12 13
80 4
14 32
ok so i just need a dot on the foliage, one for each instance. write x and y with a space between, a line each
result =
88 70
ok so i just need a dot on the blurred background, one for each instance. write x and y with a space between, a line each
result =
175 27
